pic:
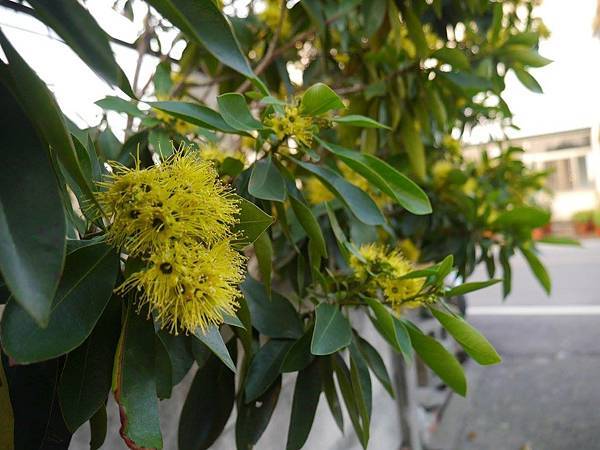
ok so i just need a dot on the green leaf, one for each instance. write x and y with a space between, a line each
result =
83 293
375 362
390 329
266 182
310 225
318 99
299 355
161 142
134 383
40 106
387 179
528 80
236 113
361 386
275 316
118 104
560 240
525 56
179 354
453 56
196 114
253 221
470 287
7 421
202 21
523 216
333 401
87 374
332 330
374 12
98 428
265 367
438 359
415 31
304 406
345 383
474 343
356 120
538 269
207 406
110 146
506 271
76 26
253 418
32 220
264 256
413 146
357 201
214 341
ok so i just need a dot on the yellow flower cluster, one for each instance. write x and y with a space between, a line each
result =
382 270
177 218
291 124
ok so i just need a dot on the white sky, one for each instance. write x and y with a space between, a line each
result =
571 83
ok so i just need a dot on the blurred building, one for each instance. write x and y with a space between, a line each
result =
572 156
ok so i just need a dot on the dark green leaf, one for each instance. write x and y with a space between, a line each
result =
374 13
528 81
253 418
82 295
361 386
333 401
299 355
266 182
526 56
76 26
264 256
161 142
356 120
438 359
236 113
98 428
134 383
390 328
304 406
387 179
375 362
252 223
474 343
309 224
178 353
415 31
214 341
275 316
413 146
357 201
87 374
265 367
332 330
318 99
523 216
196 114
207 406
32 220
470 287
538 269
345 384
7 421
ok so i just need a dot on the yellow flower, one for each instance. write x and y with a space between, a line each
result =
188 286
410 250
316 192
470 186
271 17
210 152
292 124
399 291
151 207
440 172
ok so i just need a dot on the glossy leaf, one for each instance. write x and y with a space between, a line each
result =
83 293
275 316
86 377
310 224
253 418
98 428
214 341
345 383
376 364
76 26
299 355
161 142
30 205
253 221
134 384
439 360
304 405
390 329
318 99
236 113
538 269
470 287
357 201
361 386
356 120
118 104
196 114
333 401
266 182
474 343
207 406
332 330
264 255
265 367
390 181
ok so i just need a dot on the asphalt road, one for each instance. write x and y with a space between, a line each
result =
546 393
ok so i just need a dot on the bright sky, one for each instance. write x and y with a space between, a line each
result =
571 84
